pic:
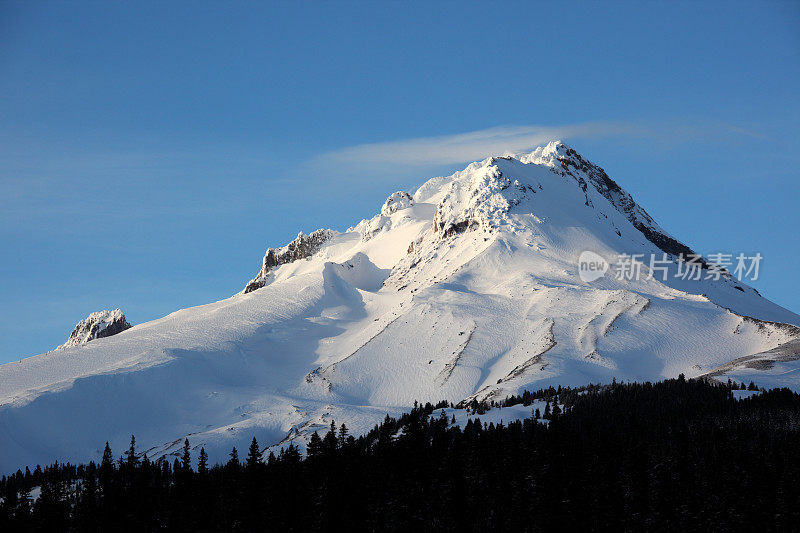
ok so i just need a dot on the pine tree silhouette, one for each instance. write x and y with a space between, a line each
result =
202 462
254 455
314 448
234 458
186 459
131 459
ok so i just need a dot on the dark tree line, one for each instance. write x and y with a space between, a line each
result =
679 455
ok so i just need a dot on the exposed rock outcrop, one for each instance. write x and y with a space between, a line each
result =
302 247
96 326
397 201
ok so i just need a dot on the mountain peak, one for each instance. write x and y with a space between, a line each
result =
550 154
468 288
547 154
566 161
484 192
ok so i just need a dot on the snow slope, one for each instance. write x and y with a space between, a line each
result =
466 288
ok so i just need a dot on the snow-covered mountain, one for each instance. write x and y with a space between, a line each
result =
467 288
96 326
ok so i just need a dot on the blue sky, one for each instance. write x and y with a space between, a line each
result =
151 151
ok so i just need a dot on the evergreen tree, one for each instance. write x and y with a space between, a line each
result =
291 456
108 457
234 458
629 458
314 448
186 459
106 470
330 442
202 463
24 504
131 459
86 515
51 509
254 458
343 435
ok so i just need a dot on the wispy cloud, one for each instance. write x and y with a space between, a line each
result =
471 146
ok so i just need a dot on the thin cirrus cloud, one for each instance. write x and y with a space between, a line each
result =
470 146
